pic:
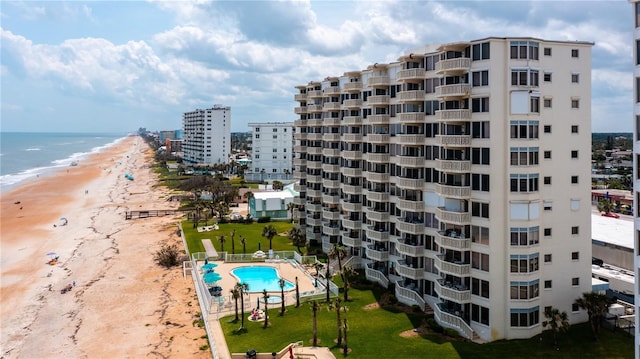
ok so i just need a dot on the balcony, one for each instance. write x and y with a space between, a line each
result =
329 214
332 90
413 250
453 292
411 117
409 296
352 87
313 207
314 122
350 224
313 136
300 110
409 272
456 269
411 161
378 138
378 196
454 116
331 106
453 140
352 137
374 215
314 151
351 206
453 166
459 192
460 65
376 276
459 218
351 172
348 189
329 199
377 255
330 184
412 228
408 183
453 91
299 97
411 206
314 165
377 177
299 175
414 139
299 187
314 221
377 157
352 155
377 119
330 231
351 242
352 120
299 162
331 152
378 100
354 103
413 95
331 121
379 81
314 108
458 243
314 94
380 236
299 201
314 193
330 168
410 74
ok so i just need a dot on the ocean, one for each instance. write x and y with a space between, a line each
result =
25 155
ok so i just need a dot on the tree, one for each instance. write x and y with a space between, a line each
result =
222 239
242 288
557 321
167 256
297 294
291 208
345 348
605 205
339 252
348 272
277 185
269 231
248 195
282 282
596 305
315 306
244 244
337 306
326 277
265 297
298 238
235 294
233 242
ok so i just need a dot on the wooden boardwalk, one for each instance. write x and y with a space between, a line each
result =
149 213
208 247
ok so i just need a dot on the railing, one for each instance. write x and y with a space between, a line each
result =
410 294
460 64
459 115
453 321
376 276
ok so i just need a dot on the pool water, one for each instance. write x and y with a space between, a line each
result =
260 278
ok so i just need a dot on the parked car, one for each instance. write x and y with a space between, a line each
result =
611 214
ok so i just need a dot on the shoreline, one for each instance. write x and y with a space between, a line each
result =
120 295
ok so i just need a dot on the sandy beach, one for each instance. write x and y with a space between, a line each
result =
121 303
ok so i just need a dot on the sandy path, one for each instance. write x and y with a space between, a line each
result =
123 305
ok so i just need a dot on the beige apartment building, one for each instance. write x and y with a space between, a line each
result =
636 163
458 175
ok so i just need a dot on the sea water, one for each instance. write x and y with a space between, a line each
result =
27 155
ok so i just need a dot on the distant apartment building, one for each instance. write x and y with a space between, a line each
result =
207 135
459 175
271 152
636 164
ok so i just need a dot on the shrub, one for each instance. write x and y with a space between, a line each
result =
451 332
433 325
167 256
264 219
416 308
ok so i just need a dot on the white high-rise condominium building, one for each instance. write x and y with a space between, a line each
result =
271 151
459 174
636 163
207 135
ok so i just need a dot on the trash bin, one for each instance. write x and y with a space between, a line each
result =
251 354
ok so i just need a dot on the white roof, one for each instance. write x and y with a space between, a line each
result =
618 231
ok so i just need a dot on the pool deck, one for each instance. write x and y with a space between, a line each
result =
286 270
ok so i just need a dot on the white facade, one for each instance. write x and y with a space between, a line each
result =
636 163
272 151
461 175
207 135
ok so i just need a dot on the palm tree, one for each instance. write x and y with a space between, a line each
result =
233 243
557 321
596 305
235 294
339 252
277 186
298 238
242 288
345 348
348 272
265 296
315 306
269 231
326 277
297 294
291 207
244 244
248 195
281 282
336 305
605 205
222 239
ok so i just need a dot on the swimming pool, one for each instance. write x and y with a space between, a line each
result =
259 278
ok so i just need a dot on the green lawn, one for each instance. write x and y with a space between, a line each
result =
252 233
375 333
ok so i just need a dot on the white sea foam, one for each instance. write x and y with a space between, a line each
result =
33 149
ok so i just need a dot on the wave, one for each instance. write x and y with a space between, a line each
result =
33 149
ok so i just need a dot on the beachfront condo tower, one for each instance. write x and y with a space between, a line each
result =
459 177
271 151
636 164
207 136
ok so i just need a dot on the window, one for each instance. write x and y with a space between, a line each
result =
547 155
574 179
547 103
547 77
547 51
525 236
275 157
524 50
548 284
525 290
574 154
574 129
575 281
575 78
480 235
547 205
535 104
547 128
479 209
480 129
275 137
480 78
480 156
575 103
480 104
480 51
480 314
524 156
547 232
575 256
524 182
574 52
524 129
526 317
257 135
574 205
575 307
257 129
479 182
523 263
547 258
547 180
575 230
480 287
480 261
525 77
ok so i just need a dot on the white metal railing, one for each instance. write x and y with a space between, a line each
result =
377 276
449 320
411 295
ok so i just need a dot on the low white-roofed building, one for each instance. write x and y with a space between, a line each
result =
272 203
612 240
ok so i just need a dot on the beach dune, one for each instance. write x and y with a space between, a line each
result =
120 302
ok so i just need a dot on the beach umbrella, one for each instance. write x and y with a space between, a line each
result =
64 220
51 254
211 277
209 266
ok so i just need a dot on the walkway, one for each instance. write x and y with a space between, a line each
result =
208 247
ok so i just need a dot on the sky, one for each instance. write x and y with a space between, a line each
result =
116 66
